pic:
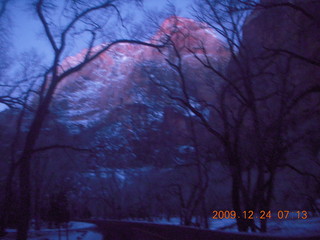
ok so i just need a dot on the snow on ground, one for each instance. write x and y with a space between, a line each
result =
276 227
296 227
74 235
223 224
81 225
172 221
76 231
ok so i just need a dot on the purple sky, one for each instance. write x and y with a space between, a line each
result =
27 33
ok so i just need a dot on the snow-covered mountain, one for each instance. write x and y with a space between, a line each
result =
118 76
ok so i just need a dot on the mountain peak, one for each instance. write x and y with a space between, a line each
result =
187 34
176 21
87 97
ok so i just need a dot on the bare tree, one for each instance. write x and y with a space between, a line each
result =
78 18
18 95
256 137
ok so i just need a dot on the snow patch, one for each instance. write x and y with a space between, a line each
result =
3 107
76 230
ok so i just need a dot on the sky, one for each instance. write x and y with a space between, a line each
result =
27 32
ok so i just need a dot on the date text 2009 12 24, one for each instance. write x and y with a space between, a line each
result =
280 214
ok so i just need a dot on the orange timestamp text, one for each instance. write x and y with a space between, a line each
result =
280 214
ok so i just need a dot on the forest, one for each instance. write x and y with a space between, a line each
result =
140 111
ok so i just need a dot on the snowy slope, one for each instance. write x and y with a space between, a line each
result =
84 98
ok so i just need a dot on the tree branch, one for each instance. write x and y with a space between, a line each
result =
57 146
298 56
46 26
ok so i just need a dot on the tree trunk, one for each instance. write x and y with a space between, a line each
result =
241 222
37 207
24 180
24 168
204 214
7 199
268 200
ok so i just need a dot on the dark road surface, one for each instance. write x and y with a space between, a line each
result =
122 230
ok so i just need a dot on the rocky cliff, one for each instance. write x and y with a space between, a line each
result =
123 75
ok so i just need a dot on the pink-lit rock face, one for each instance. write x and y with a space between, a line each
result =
190 36
112 79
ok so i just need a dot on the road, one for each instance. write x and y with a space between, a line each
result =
125 230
